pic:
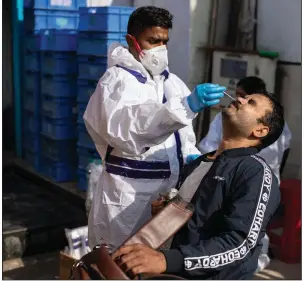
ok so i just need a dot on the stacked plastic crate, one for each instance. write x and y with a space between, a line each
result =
58 105
55 24
99 27
31 104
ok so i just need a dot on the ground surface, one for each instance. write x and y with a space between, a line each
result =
46 267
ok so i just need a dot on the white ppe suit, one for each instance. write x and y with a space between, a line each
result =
272 154
142 129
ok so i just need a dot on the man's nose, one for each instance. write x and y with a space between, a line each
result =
242 100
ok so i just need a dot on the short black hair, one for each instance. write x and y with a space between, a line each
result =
252 85
148 16
274 120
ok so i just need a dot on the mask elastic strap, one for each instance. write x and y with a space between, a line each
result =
137 46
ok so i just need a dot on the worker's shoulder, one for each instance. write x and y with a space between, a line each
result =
115 73
109 77
176 78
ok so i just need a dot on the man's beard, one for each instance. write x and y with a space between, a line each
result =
231 125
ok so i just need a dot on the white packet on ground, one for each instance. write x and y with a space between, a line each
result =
85 243
75 240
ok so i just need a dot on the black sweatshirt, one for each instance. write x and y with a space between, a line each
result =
233 205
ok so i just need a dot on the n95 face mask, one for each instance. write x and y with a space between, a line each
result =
155 60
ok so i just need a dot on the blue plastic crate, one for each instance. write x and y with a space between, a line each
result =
31 122
85 89
82 180
58 171
31 142
58 40
59 86
55 4
84 138
59 129
32 102
32 82
58 107
32 41
97 44
59 150
28 3
32 62
37 19
58 63
81 111
91 68
33 159
86 156
109 19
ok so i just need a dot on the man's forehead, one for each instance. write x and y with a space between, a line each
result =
156 32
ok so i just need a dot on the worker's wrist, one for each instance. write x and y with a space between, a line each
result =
189 112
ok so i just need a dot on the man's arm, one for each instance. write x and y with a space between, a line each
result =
243 221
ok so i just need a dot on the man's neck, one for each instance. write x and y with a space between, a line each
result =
231 143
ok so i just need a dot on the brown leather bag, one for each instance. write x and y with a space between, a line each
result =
98 265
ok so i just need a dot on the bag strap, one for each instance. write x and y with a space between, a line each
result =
192 182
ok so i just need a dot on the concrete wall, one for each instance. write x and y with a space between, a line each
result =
200 17
279 29
291 96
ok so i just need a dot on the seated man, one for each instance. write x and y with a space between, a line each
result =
273 154
233 203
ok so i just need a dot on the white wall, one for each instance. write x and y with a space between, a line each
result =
200 20
279 29
200 15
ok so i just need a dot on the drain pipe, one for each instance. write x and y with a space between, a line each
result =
17 24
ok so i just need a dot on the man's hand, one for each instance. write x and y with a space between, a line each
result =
157 206
138 258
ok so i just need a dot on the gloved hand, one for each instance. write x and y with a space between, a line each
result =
205 95
191 158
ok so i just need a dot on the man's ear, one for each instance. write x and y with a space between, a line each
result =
260 131
129 41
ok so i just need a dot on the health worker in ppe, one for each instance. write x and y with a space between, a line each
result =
272 154
140 119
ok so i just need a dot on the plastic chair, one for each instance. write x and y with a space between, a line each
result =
288 243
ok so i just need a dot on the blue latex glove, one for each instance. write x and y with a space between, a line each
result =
205 95
191 158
